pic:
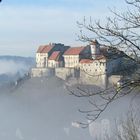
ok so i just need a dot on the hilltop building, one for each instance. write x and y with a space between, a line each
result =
73 56
103 60
83 63
46 51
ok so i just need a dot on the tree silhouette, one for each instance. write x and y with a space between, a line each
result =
121 32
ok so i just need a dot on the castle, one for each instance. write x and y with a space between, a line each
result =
87 64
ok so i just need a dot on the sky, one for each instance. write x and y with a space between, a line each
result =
26 24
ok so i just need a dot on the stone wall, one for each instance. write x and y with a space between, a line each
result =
76 75
66 73
99 80
39 72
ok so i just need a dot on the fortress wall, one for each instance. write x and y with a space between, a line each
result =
39 72
75 75
99 80
66 73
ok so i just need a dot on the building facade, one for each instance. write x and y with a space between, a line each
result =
73 56
93 67
91 63
44 52
55 60
42 55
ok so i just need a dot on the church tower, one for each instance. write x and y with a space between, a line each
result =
95 49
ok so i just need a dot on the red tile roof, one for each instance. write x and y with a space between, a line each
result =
86 61
55 55
44 49
74 51
40 49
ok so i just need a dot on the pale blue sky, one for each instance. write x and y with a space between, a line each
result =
26 24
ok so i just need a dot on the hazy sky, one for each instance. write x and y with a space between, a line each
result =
26 24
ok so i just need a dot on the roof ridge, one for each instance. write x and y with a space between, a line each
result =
54 55
74 51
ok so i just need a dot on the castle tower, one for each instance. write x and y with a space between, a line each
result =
95 49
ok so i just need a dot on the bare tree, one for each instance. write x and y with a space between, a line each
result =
126 128
121 32
129 128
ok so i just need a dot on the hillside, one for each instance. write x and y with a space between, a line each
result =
41 108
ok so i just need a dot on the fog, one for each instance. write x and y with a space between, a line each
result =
11 67
41 108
